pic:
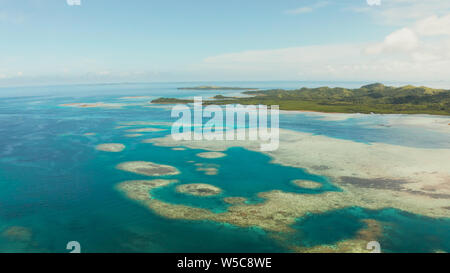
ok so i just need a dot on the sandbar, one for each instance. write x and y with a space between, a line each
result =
134 135
110 147
142 130
211 155
93 105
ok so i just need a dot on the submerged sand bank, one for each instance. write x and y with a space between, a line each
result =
17 233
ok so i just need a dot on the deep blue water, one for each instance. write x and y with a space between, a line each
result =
54 182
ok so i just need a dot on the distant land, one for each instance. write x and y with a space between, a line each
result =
372 98
208 87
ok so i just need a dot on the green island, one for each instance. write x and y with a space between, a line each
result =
372 98
212 87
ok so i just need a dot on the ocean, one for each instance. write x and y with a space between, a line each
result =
56 187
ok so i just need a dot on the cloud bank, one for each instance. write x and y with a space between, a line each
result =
419 52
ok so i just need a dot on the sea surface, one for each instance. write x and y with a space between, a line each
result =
59 188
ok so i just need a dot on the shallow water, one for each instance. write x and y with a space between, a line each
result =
54 182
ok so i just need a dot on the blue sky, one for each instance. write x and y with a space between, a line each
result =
51 42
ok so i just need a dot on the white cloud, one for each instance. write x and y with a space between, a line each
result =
424 40
399 41
434 26
419 52
402 12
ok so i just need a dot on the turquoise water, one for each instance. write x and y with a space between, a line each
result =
245 179
54 182
403 232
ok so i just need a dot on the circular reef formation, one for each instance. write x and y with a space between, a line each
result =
199 189
111 147
148 168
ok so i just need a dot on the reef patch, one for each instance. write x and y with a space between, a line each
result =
139 190
208 169
307 184
198 189
148 168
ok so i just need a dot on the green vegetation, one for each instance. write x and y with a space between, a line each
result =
220 97
373 98
216 88
172 101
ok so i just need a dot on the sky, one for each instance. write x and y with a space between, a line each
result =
103 41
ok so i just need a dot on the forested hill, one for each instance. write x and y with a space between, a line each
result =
376 98
372 98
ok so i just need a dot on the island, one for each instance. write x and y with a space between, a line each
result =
171 101
373 98
212 87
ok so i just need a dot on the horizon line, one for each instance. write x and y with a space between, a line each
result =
219 81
